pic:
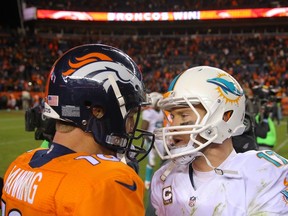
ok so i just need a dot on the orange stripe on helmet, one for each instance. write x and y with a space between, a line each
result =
86 59
95 55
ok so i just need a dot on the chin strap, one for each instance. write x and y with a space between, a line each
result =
169 169
218 171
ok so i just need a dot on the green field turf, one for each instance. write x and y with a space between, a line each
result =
14 139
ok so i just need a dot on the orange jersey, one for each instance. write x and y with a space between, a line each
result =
71 184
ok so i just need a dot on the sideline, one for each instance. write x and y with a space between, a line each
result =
281 145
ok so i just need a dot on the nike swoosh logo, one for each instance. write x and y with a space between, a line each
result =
132 187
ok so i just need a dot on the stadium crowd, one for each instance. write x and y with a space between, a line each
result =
25 60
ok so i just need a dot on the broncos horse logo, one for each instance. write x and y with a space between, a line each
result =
84 67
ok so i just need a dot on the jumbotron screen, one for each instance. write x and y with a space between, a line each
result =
163 16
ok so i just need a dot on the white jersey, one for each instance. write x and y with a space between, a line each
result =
260 187
155 118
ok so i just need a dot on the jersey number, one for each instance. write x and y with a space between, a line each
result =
273 158
94 161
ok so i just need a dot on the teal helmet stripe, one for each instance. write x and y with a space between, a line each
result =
171 86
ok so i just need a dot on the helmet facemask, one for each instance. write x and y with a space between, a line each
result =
122 120
170 135
136 140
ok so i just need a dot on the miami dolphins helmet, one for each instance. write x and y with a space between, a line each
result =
219 94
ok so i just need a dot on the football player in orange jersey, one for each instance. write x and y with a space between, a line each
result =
95 92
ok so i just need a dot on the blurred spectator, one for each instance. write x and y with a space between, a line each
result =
26 99
11 103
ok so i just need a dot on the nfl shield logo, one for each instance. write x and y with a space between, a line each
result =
192 201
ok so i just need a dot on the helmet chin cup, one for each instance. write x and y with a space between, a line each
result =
185 159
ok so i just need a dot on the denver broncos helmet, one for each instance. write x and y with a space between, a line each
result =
218 93
97 88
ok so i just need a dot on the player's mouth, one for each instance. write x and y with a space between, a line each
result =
178 141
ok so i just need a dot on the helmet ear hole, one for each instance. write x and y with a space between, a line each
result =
98 112
227 115
137 87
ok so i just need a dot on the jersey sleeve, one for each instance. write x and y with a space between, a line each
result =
267 183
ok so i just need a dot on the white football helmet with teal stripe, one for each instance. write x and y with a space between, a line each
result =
219 93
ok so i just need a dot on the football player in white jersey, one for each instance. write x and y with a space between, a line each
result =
152 117
205 175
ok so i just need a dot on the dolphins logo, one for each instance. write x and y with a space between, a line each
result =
227 88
